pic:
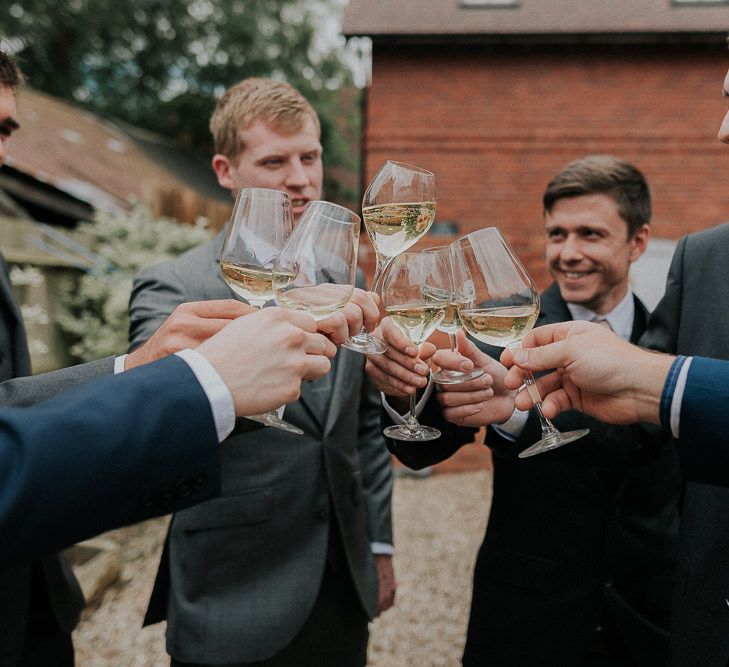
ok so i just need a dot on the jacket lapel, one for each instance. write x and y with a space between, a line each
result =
552 307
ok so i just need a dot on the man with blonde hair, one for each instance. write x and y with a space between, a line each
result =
290 564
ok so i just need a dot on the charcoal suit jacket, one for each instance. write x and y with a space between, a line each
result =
693 319
240 574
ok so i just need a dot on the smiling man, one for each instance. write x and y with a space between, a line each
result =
289 565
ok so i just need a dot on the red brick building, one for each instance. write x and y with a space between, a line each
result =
495 96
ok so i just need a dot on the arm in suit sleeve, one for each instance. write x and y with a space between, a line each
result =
703 444
110 452
417 455
376 466
156 293
25 391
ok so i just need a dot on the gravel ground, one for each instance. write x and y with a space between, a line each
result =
438 524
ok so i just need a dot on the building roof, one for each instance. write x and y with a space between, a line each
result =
98 162
535 17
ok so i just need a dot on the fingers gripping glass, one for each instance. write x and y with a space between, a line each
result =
499 305
398 208
416 302
261 222
451 323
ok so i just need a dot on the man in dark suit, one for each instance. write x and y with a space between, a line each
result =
577 560
693 318
291 562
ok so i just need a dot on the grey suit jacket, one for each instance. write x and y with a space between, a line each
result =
243 570
52 573
693 318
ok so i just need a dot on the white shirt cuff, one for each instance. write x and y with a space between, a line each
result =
382 548
511 429
221 400
396 416
119 364
678 397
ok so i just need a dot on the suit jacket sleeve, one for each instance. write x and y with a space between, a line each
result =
703 444
25 391
156 293
114 451
376 467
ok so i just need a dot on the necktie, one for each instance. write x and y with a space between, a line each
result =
602 322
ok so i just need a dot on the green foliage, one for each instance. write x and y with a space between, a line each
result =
161 64
95 307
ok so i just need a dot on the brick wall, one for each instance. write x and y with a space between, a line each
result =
495 124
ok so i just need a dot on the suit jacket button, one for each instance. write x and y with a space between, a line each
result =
147 503
616 512
608 583
323 514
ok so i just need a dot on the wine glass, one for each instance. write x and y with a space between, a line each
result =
398 207
451 323
316 269
416 301
261 222
498 304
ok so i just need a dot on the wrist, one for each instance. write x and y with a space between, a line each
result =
647 388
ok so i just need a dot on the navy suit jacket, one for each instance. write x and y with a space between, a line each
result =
110 452
704 428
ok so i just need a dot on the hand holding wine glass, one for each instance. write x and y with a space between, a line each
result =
261 222
499 305
398 207
415 302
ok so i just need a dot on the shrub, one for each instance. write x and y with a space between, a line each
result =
94 314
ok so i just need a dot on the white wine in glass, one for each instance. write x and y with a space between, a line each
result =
261 222
499 305
316 269
398 207
451 323
416 301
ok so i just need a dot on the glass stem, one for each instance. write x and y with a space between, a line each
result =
454 342
548 429
411 422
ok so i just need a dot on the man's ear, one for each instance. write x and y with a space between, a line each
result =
223 168
639 242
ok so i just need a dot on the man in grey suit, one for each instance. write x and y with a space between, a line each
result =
291 562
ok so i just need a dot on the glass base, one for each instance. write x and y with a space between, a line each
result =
365 344
420 433
272 419
456 377
553 441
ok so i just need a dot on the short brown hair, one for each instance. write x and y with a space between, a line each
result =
275 103
604 174
10 74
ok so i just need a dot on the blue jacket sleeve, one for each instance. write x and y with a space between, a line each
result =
704 430
110 452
